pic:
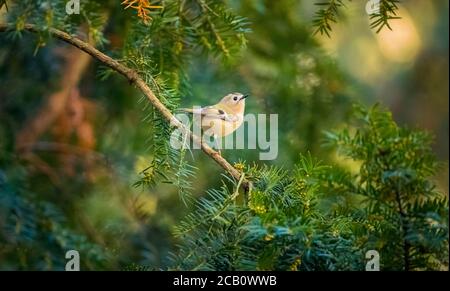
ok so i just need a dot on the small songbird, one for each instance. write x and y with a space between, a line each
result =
223 118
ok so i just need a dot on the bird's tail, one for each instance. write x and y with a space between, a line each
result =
191 110
187 110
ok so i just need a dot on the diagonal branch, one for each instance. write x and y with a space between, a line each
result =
135 79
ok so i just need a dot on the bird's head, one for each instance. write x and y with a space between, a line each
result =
235 102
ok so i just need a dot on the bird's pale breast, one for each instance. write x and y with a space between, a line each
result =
220 127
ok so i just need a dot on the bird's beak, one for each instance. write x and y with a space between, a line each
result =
245 96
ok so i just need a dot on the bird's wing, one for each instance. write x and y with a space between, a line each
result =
213 112
210 112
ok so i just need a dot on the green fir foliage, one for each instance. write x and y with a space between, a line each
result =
307 215
317 217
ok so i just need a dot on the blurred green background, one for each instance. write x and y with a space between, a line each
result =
87 160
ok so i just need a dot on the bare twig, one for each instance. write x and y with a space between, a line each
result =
135 79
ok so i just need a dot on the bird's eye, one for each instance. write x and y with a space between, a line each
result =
235 98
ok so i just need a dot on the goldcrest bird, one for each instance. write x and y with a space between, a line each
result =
223 118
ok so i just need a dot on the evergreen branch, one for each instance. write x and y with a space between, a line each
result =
329 12
387 12
404 225
325 16
219 41
135 79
